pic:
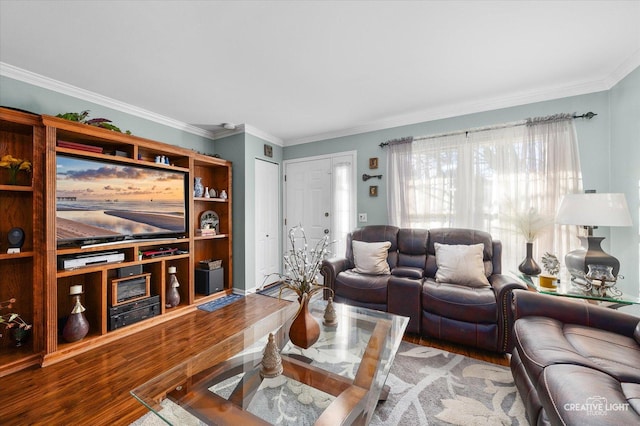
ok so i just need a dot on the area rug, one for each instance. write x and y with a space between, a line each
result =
428 386
214 305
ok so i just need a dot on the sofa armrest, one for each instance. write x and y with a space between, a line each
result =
528 303
503 286
330 269
404 297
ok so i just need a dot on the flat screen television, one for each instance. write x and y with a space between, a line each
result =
98 201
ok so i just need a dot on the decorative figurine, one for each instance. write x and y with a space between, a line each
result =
330 319
173 296
198 188
15 236
271 360
77 325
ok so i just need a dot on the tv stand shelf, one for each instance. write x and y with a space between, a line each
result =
42 289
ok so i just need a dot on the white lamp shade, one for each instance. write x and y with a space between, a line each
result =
594 209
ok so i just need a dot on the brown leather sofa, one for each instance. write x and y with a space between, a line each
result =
478 317
575 363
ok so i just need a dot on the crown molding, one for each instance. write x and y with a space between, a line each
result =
263 135
623 70
441 112
29 77
455 110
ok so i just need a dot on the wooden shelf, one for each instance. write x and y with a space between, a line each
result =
5 256
115 158
23 277
211 237
211 200
35 280
16 188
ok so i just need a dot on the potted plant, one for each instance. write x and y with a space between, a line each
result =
302 266
530 223
551 265
20 328
14 165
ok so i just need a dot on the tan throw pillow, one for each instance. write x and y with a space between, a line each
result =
371 258
460 264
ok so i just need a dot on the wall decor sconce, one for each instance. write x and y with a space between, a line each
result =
373 191
366 177
373 163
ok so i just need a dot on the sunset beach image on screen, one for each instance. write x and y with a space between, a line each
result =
100 200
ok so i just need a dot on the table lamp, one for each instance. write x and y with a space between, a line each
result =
591 210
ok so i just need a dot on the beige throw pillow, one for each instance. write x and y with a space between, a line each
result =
460 264
371 258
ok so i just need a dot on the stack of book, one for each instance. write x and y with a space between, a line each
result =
206 232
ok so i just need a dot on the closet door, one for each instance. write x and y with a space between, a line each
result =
267 184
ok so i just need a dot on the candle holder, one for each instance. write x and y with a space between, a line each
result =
77 326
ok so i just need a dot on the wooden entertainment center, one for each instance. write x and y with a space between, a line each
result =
33 277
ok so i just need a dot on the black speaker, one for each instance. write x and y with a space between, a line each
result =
128 271
209 281
15 237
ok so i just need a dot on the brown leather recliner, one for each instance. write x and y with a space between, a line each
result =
471 316
575 363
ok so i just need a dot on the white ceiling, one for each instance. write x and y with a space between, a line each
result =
303 71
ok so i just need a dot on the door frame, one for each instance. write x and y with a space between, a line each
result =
354 181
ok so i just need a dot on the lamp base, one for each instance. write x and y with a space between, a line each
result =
590 253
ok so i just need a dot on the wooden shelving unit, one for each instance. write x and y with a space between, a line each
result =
22 274
33 276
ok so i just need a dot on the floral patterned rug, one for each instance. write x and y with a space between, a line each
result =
434 387
428 387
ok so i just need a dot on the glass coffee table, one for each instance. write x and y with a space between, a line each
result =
338 380
612 299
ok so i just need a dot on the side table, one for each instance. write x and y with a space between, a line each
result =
566 288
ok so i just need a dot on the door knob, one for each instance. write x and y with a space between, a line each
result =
326 214
326 231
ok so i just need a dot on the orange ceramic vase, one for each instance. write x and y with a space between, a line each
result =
304 330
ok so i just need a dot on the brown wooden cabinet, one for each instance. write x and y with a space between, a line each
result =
34 276
22 274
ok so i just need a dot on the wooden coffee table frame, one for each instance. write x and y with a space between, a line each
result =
188 384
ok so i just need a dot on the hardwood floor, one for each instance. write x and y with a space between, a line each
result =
93 388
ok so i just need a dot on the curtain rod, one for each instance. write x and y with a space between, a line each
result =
588 116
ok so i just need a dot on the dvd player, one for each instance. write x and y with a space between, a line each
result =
84 260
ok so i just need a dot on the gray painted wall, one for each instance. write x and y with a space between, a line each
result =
609 152
625 175
16 94
232 148
593 136
608 145
242 150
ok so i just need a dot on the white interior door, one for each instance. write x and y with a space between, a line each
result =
308 195
267 184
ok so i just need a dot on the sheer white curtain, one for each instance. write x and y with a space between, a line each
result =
483 179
